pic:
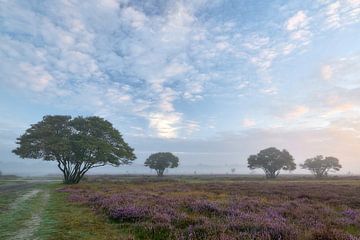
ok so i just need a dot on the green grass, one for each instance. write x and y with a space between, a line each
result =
60 219
13 219
65 220
6 200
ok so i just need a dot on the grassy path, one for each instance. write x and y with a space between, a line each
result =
38 211
66 220
22 215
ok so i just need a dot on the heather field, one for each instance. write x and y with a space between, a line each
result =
192 207
223 208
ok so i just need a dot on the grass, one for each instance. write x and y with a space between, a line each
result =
4 182
64 220
6 200
14 219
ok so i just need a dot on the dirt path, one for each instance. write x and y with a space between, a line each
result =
23 198
22 217
13 187
31 225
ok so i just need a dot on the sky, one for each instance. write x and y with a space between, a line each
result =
211 81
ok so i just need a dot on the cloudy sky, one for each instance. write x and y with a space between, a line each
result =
213 81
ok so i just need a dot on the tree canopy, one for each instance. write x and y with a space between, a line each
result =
76 144
272 161
321 166
160 161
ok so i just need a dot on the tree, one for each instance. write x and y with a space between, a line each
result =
272 161
160 161
321 166
76 144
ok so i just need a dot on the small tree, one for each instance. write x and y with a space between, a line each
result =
77 144
272 161
160 161
321 166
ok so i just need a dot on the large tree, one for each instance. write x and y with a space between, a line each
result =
321 166
272 161
76 144
160 161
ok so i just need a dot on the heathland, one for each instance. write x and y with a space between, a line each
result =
175 207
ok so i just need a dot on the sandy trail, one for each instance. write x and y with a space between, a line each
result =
31 225
24 197
27 229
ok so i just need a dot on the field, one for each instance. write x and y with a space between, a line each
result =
182 208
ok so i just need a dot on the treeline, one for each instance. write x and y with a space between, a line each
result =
82 143
272 161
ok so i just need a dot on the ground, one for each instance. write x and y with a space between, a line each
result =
197 207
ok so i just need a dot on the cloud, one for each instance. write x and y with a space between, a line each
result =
326 72
297 112
36 77
270 90
134 17
296 22
147 61
247 123
343 72
339 109
166 125
298 27
342 13
108 58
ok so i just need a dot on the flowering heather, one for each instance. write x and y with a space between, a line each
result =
227 210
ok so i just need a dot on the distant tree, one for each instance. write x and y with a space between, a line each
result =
233 170
76 144
321 166
272 161
160 161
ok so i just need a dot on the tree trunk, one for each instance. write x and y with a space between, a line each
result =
73 173
160 172
71 179
271 175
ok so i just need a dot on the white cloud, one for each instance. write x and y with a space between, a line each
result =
175 68
326 72
191 127
112 4
343 72
134 17
166 125
120 57
342 13
333 15
288 48
247 123
256 42
297 22
270 90
34 77
338 109
264 59
297 112
298 27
